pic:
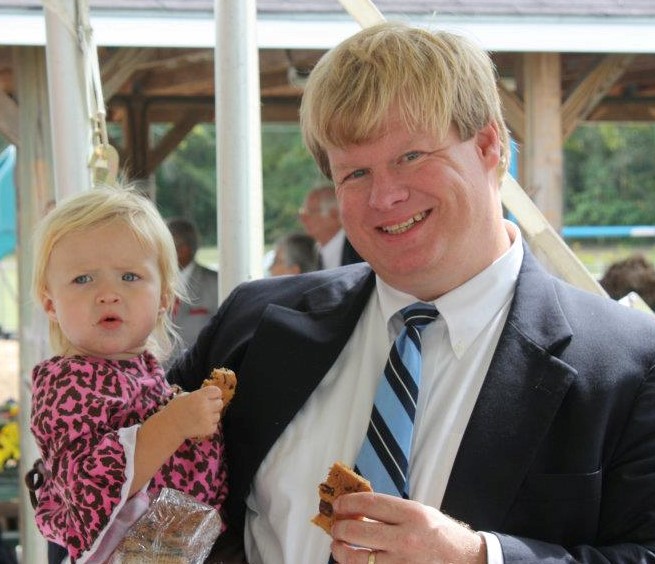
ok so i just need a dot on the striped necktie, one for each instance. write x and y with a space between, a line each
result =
384 456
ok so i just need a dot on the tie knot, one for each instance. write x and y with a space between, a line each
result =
419 314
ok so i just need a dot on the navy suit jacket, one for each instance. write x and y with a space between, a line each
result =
348 254
558 458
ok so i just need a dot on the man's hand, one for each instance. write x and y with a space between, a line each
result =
400 531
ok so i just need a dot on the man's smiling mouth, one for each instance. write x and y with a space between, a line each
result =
405 225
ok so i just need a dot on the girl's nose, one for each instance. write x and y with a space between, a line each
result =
107 296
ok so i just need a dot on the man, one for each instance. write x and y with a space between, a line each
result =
534 428
320 218
295 253
201 282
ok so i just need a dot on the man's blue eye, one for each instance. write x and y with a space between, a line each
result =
357 173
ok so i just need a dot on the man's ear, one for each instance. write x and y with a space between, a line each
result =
488 143
49 306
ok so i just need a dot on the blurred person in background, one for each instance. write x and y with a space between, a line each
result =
319 216
294 254
201 282
632 274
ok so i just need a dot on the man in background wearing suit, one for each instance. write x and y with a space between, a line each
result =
201 282
320 218
534 427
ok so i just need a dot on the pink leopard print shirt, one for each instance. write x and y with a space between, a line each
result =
79 404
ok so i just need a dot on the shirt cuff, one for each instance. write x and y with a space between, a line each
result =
494 551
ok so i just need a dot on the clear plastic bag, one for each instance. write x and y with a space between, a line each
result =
176 529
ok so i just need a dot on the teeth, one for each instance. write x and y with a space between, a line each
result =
405 225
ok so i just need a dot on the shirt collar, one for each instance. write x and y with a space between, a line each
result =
331 251
469 308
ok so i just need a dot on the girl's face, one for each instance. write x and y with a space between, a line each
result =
104 291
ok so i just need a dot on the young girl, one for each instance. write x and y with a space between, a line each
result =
106 421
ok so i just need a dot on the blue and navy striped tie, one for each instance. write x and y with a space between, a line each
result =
384 456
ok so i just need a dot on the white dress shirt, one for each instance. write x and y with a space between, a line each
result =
332 250
330 427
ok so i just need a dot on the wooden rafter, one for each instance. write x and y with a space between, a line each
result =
513 111
171 139
120 67
593 88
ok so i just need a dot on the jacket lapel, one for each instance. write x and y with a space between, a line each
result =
520 397
290 352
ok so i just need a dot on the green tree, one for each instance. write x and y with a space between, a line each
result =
186 180
289 172
610 175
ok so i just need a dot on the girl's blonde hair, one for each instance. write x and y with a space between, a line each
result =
98 207
435 80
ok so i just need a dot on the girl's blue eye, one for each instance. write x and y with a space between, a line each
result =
82 279
130 277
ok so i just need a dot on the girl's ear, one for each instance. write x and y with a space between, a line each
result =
49 306
163 302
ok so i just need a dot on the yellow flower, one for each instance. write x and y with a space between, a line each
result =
10 438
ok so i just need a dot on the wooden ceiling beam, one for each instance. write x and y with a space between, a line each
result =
161 108
172 139
120 66
272 79
642 110
513 111
283 110
189 80
163 60
591 90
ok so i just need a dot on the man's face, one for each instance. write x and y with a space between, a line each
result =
424 212
184 252
319 224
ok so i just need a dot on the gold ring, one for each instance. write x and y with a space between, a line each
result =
371 557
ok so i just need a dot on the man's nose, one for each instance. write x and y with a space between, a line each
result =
387 189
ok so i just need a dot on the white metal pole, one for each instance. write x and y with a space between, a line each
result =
238 144
71 124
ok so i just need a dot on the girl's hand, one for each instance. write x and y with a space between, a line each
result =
196 414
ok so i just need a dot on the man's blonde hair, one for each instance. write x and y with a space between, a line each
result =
98 207
433 79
